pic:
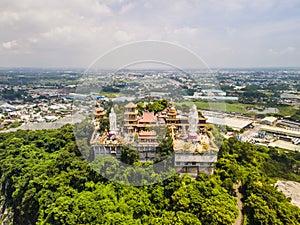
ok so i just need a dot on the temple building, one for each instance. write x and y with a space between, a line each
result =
130 118
172 118
148 119
194 149
99 114
147 138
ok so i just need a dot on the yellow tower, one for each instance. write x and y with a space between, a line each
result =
99 114
130 117
171 115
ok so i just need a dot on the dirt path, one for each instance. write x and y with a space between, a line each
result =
240 219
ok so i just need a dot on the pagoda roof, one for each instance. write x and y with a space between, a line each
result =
172 110
99 111
148 117
130 105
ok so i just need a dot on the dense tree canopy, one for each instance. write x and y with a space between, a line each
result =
157 106
46 181
258 168
129 154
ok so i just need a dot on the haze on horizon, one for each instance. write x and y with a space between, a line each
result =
230 33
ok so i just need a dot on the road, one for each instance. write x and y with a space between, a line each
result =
240 219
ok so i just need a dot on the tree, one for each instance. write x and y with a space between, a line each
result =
43 185
166 146
140 108
129 154
157 106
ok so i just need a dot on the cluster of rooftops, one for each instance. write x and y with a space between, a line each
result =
193 145
146 128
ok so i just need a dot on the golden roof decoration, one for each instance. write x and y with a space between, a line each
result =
99 111
131 105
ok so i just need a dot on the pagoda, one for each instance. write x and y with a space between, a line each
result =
99 114
130 118
172 115
147 137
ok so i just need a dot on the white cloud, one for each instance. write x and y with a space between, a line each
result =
10 44
14 48
9 18
290 49
121 36
127 8
62 31
287 50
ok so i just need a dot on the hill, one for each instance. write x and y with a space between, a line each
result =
45 180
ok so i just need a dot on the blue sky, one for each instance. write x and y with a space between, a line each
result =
229 33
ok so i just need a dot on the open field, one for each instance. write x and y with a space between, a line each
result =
234 107
219 106
286 110
111 94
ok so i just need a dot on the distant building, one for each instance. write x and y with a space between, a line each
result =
77 96
269 120
213 98
159 95
234 123
239 87
290 124
213 92
123 99
290 96
212 95
285 134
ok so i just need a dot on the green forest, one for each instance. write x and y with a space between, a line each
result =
45 180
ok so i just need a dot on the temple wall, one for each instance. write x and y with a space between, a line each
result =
184 162
194 163
146 152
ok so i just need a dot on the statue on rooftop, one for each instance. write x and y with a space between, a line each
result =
112 121
193 121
